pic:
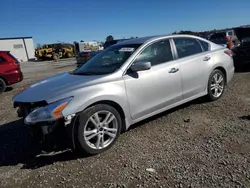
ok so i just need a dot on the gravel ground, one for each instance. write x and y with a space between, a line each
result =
196 145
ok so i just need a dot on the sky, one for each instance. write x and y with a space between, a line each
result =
49 21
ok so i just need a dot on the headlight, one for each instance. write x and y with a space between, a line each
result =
50 112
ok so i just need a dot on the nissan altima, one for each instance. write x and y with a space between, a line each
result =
127 82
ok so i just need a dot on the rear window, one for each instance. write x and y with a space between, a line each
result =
230 33
218 35
83 53
108 44
187 46
13 57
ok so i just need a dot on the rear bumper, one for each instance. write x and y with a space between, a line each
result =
14 77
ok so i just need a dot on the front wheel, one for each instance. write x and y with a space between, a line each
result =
216 85
97 130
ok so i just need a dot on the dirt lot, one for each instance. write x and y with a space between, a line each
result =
196 145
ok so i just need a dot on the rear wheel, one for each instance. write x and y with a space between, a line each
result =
216 85
97 129
2 85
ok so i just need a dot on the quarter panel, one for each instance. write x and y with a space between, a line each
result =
223 60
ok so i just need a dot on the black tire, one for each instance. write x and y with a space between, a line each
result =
81 145
210 94
2 85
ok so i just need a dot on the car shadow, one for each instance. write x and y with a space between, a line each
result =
245 117
8 89
17 148
14 144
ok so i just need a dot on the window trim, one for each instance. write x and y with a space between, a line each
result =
177 56
145 46
209 46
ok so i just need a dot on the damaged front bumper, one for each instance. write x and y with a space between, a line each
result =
51 135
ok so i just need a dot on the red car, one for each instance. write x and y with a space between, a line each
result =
10 72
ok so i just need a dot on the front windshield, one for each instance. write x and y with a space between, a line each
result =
246 40
107 61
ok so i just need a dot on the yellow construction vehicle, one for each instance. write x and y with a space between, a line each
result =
54 51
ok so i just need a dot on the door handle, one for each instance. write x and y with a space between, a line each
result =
173 70
206 58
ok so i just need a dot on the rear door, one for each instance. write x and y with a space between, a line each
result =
194 59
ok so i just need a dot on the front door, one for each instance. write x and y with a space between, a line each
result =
154 89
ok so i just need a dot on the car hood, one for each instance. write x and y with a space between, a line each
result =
241 33
48 88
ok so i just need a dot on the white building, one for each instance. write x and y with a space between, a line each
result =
20 47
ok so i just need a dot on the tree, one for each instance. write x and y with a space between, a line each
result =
38 45
109 38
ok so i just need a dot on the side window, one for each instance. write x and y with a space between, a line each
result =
204 45
187 46
230 33
156 53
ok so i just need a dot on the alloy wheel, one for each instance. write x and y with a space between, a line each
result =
100 130
217 85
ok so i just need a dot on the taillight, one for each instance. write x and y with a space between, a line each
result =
229 52
226 37
88 56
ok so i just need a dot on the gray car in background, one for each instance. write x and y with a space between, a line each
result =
124 84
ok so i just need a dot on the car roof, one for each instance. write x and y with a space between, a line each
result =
146 39
140 40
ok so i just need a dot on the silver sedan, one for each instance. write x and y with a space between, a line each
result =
126 83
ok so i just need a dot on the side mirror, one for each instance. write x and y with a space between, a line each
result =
140 66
